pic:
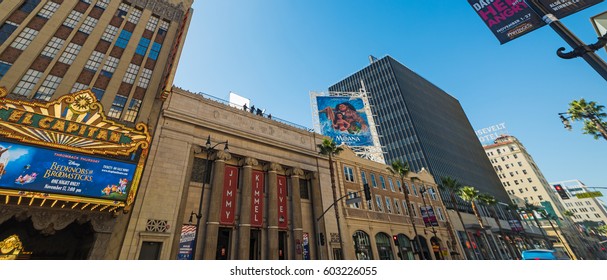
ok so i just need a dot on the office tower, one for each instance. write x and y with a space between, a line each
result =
421 124
582 201
126 52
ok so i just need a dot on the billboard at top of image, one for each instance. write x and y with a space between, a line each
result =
510 19
344 119
30 168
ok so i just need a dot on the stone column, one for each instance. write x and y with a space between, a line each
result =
322 252
297 236
272 214
210 241
244 226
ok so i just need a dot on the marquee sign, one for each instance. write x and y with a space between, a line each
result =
68 150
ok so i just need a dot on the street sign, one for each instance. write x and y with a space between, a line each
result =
589 195
510 19
600 24
357 199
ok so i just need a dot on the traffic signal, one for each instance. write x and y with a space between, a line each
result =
321 239
561 191
395 237
367 192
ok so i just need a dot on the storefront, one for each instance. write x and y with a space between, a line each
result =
67 175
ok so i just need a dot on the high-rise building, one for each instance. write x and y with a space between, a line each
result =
421 124
586 207
81 86
124 51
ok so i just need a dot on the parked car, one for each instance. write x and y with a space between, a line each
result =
539 254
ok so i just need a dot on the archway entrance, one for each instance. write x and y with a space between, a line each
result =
436 248
74 242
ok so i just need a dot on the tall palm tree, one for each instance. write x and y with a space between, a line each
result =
531 209
453 186
549 217
592 115
330 149
471 195
401 169
490 201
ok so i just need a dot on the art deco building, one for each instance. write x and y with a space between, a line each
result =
81 84
524 182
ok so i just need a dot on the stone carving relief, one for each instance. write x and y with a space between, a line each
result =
162 8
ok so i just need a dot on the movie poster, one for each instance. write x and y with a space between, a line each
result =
30 168
344 120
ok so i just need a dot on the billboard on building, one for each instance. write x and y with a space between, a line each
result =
186 242
428 216
488 134
344 119
510 19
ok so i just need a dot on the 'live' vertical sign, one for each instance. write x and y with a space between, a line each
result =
282 201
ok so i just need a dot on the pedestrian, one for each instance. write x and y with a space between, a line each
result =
270 116
253 109
244 107
259 113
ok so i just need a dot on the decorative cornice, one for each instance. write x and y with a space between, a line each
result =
295 172
272 166
248 161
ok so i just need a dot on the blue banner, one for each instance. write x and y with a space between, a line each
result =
30 168
344 120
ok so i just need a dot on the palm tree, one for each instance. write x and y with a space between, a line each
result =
401 169
490 201
592 115
453 186
531 209
470 195
329 148
549 217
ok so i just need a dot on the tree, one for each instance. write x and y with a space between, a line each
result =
549 217
401 169
453 186
531 209
592 115
330 149
470 195
491 202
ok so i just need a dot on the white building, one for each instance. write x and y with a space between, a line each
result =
583 209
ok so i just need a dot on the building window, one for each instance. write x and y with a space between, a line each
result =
150 250
124 7
152 23
382 182
134 16
6 30
397 206
413 210
380 207
123 39
373 182
439 213
94 61
155 51
370 205
27 83
133 110
109 33
304 189
164 25
4 66
110 66
53 47
88 25
69 54
349 174
414 189
353 195
363 177
540 197
388 205
48 87
131 74
72 19
144 79
29 5
391 184
49 9
142 47
117 106
98 93
79 87
405 208
102 4
24 39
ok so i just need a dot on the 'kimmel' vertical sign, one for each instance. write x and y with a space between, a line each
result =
228 201
257 199
282 201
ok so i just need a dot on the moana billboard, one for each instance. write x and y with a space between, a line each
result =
344 119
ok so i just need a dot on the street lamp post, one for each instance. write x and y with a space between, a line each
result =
422 191
208 149
590 116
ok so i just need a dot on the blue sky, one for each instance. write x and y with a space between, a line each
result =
275 52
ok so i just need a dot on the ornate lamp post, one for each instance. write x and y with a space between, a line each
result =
208 149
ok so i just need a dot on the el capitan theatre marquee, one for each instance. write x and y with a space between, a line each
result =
66 153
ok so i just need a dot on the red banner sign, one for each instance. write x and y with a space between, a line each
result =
228 201
282 202
257 199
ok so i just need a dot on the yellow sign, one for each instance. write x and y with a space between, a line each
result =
589 195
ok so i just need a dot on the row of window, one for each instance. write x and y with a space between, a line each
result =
394 202
349 177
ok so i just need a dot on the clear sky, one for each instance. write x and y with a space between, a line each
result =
275 52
